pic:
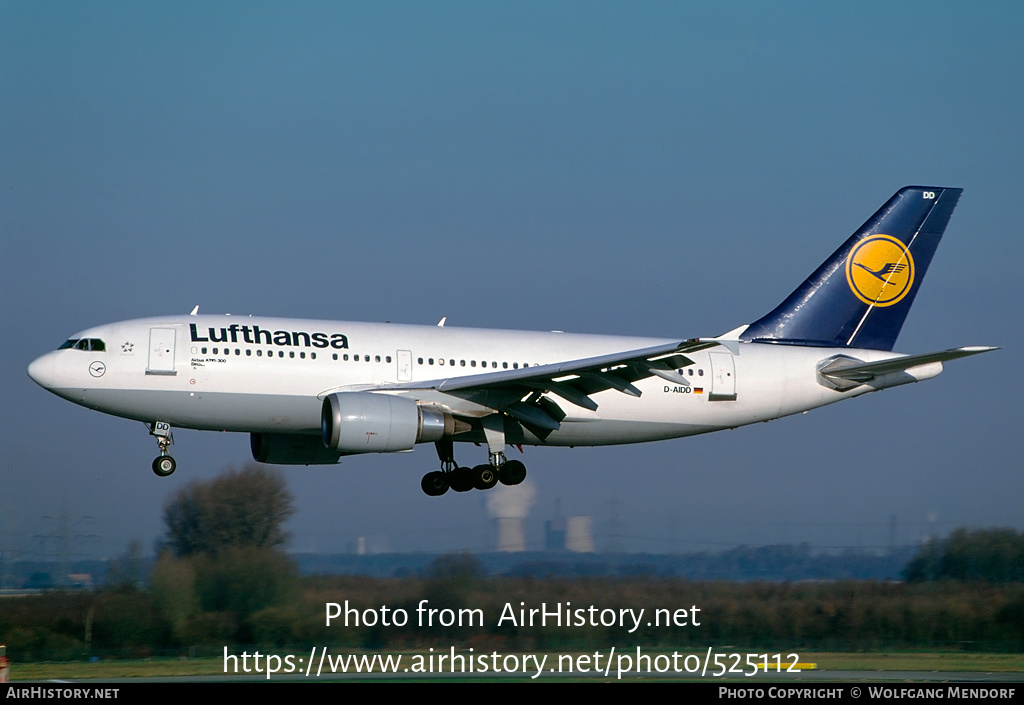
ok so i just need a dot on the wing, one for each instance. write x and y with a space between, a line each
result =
526 393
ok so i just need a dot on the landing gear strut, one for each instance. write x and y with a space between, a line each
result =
163 464
435 484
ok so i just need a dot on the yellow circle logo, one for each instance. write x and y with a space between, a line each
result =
880 270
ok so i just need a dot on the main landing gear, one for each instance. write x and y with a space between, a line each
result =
163 464
464 479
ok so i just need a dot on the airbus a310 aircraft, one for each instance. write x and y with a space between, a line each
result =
309 392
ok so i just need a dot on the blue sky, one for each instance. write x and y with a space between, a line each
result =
656 169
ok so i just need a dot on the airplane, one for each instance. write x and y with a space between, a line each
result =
310 392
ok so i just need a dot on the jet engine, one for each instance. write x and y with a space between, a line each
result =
365 422
288 449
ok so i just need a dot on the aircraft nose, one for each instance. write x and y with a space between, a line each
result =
41 371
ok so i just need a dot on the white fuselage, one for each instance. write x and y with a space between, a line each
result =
269 375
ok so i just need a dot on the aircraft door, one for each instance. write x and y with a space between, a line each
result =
161 351
404 358
723 377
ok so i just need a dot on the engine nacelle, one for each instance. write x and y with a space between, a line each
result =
365 422
287 449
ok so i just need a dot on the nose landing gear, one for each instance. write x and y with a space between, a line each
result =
163 464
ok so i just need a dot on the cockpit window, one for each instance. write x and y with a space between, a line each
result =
94 344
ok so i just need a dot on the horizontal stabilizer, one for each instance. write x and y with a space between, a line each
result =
845 372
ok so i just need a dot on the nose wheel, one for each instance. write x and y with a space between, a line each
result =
163 464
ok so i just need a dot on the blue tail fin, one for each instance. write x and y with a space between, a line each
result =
860 296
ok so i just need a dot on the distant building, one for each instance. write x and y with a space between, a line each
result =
579 535
511 534
574 534
554 535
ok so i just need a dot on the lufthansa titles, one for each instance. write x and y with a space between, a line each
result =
257 336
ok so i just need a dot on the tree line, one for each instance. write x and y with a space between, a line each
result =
989 555
222 579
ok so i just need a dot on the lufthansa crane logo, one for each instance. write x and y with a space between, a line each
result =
880 270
